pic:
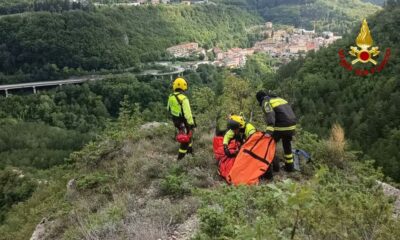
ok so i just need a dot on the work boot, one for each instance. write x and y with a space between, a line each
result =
269 175
181 155
289 167
276 164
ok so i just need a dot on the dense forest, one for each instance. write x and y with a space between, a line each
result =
44 45
20 6
336 16
367 106
93 136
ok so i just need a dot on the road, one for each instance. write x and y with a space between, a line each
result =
49 83
34 85
178 70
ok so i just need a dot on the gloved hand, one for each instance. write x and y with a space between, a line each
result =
228 152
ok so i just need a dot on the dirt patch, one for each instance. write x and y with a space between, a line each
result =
186 230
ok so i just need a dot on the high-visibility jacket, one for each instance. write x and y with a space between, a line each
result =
247 131
179 107
279 115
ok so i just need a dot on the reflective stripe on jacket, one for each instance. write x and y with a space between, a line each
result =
279 115
248 131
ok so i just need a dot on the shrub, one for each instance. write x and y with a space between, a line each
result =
214 222
176 186
92 181
14 188
335 204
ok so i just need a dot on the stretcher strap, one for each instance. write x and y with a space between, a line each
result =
256 156
266 152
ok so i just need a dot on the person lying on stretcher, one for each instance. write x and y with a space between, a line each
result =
238 129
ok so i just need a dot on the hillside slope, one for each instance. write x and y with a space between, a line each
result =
45 44
366 106
128 185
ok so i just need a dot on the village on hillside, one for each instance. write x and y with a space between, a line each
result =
281 44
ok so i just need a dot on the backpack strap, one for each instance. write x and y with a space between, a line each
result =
180 102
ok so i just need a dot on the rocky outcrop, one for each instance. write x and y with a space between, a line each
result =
72 192
392 192
41 232
186 230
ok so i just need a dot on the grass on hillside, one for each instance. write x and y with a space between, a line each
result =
130 186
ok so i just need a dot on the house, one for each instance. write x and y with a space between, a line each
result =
200 2
268 25
232 62
327 34
311 46
279 35
219 54
186 2
184 50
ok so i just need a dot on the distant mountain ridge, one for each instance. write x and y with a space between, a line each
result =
334 15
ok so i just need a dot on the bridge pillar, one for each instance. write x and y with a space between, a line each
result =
6 92
170 76
34 90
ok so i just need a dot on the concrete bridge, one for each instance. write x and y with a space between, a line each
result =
34 85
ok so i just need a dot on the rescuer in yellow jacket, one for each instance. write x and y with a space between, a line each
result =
281 122
238 129
179 108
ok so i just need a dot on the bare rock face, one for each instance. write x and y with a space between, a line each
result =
392 192
40 232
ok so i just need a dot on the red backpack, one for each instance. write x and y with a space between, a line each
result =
182 137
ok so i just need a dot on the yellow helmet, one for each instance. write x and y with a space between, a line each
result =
236 121
180 83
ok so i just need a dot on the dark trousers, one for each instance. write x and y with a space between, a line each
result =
182 126
286 137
